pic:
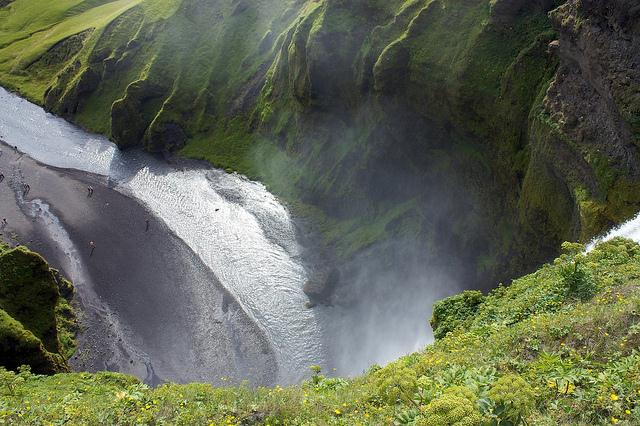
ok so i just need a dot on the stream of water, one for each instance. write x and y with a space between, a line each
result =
239 229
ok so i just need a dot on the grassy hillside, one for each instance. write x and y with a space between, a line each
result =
460 125
558 346
37 323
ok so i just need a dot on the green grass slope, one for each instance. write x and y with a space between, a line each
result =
557 347
37 323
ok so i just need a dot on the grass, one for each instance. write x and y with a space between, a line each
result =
535 352
30 28
530 351
224 148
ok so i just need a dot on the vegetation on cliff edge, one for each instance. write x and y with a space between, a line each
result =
559 346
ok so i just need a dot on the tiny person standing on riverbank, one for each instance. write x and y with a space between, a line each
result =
93 247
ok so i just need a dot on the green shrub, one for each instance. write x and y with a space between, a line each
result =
395 383
11 381
577 279
453 311
462 391
456 407
576 363
513 400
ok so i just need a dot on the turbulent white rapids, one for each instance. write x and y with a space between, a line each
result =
630 229
234 225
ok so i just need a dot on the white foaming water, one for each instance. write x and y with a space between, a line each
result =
234 225
630 229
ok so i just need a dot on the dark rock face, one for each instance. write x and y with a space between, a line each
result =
594 102
561 145
601 54
61 52
64 54
267 42
622 14
71 101
506 11
167 137
129 116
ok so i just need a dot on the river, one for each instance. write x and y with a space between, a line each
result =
239 230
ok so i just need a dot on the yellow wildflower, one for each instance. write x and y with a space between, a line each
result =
570 388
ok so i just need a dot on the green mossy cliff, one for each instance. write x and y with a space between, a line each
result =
492 129
37 323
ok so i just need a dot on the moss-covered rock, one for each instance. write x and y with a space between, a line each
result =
38 324
19 346
29 293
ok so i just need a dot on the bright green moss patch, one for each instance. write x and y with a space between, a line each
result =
29 293
19 346
226 148
38 322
